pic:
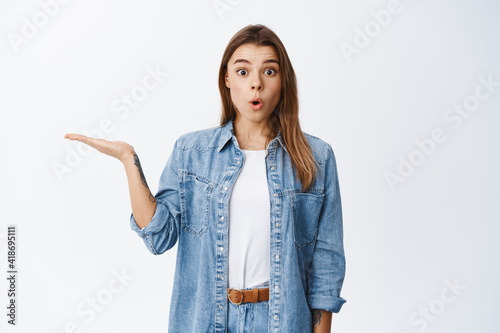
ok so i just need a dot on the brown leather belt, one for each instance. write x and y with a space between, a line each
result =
238 296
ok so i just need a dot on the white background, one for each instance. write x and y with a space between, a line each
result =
402 243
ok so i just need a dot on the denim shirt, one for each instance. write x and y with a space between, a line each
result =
306 247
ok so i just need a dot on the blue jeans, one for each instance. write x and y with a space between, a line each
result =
248 317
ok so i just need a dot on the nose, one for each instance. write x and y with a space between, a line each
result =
257 83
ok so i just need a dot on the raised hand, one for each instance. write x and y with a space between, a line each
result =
142 200
118 149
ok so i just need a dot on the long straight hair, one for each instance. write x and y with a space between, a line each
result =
285 117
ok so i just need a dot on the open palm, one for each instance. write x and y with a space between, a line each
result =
117 149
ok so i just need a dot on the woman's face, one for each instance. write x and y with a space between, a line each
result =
253 72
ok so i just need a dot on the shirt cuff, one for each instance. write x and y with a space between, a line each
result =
156 224
328 303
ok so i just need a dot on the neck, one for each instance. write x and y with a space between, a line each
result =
251 135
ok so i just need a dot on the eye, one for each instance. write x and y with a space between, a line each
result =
244 70
271 69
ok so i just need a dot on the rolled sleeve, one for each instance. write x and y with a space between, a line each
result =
162 232
327 270
328 303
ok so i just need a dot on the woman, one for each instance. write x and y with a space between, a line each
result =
254 205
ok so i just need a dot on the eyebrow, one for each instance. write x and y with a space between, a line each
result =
248 62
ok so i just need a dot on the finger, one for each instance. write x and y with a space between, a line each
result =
84 139
73 136
94 143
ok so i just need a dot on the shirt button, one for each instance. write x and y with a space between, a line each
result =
275 316
275 194
238 162
225 188
272 168
220 306
276 287
222 217
277 256
221 248
222 278
277 224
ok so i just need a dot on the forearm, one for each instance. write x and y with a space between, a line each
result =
322 321
142 201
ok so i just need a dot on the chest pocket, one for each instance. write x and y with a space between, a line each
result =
195 191
306 209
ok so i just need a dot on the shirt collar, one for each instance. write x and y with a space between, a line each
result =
227 133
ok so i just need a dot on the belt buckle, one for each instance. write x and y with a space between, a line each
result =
231 289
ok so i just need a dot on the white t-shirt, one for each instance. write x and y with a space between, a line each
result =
249 225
